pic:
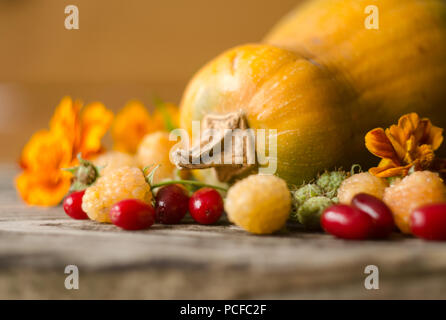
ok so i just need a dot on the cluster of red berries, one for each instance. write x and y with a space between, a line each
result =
369 217
172 202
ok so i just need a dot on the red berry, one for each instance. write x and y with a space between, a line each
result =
347 222
132 214
172 203
378 210
206 206
72 205
429 222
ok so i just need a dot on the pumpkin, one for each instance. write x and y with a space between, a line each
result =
278 89
395 69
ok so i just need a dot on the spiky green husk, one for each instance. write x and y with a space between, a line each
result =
306 192
84 175
324 190
330 182
309 213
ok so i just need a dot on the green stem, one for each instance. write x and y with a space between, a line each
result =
191 182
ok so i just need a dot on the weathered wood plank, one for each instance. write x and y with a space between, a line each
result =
192 261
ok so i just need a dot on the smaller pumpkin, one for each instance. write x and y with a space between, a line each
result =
279 90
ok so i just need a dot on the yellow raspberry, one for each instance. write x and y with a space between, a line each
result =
113 160
155 149
119 184
416 190
260 204
361 183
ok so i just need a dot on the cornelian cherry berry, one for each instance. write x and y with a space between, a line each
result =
379 211
206 206
72 205
172 203
429 222
347 222
132 214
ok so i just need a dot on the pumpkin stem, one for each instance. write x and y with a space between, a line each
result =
224 144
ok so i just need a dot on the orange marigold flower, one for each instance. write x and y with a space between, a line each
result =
84 128
72 130
96 119
65 120
42 182
408 145
133 122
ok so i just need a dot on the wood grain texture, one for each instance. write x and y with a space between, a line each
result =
200 262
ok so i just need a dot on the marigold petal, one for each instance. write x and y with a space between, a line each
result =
46 151
43 189
65 120
411 147
408 123
387 169
378 143
397 138
131 124
435 137
398 133
421 133
95 121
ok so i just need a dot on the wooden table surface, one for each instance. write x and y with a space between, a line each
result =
189 261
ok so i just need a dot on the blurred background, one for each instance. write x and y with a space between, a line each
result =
123 50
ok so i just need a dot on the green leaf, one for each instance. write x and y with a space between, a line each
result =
71 170
151 174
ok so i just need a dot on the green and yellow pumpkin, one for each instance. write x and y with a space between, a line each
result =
323 80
